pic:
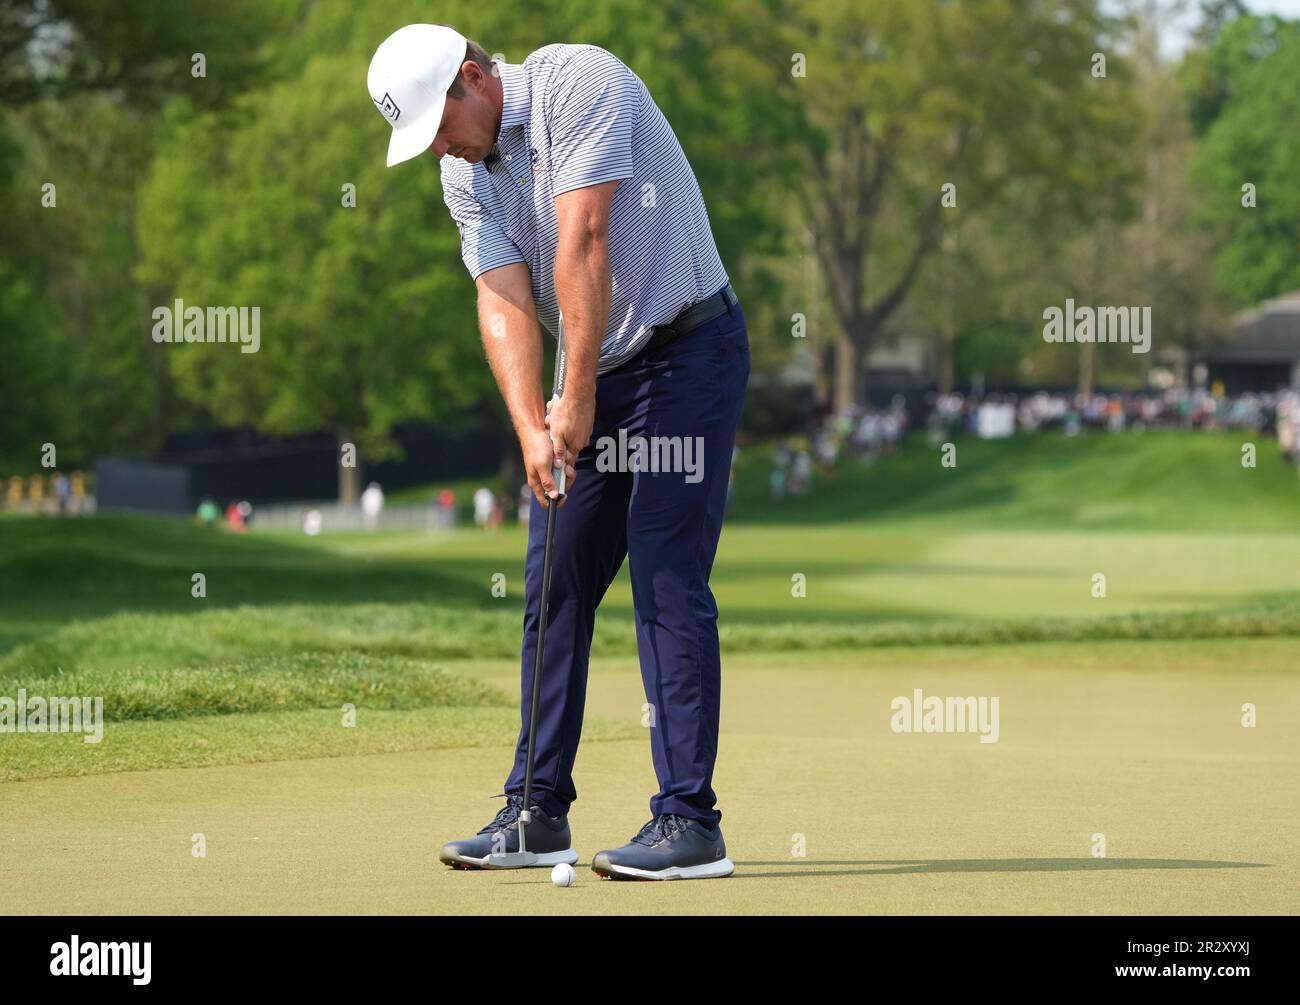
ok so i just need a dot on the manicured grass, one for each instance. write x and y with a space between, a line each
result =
825 809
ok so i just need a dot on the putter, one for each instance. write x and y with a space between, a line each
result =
523 858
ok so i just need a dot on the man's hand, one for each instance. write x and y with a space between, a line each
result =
539 465
570 419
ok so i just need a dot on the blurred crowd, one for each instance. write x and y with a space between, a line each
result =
867 433
1003 414
863 434
57 494
237 516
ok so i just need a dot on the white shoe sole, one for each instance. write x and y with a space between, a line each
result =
709 870
545 860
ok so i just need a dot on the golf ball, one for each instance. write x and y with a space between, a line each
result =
563 875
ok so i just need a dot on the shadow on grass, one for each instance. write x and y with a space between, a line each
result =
893 867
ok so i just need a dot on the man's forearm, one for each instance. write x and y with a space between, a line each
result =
582 283
513 345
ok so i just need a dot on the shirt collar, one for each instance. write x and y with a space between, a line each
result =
515 99
515 105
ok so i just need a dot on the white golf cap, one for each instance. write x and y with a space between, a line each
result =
408 80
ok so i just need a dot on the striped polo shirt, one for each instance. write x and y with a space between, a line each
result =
574 116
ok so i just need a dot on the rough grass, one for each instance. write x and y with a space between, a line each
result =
208 740
254 659
267 682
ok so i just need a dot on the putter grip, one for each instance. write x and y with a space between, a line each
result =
557 472
557 392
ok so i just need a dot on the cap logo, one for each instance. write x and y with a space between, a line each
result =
389 107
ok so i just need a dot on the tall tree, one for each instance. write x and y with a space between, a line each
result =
139 49
81 82
366 319
905 98
368 314
1246 162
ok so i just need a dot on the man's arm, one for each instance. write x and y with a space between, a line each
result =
582 284
513 343
592 114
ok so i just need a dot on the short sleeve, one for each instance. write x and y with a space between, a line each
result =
484 245
594 102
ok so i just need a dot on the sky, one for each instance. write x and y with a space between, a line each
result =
1176 39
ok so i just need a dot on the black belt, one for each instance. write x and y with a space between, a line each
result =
692 317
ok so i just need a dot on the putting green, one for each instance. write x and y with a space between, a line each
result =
1139 741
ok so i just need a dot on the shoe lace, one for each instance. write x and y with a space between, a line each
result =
507 816
661 827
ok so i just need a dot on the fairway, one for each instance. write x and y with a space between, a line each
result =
1137 741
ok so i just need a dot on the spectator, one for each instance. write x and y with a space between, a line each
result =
62 492
484 500
801 473
36 493
81 503
447 508
776 481
372 505
208 513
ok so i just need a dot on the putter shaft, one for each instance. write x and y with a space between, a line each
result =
558 473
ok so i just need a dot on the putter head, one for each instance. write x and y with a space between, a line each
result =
521 859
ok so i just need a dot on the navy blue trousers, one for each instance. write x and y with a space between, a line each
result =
666 523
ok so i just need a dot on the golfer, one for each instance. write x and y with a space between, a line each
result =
574 198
